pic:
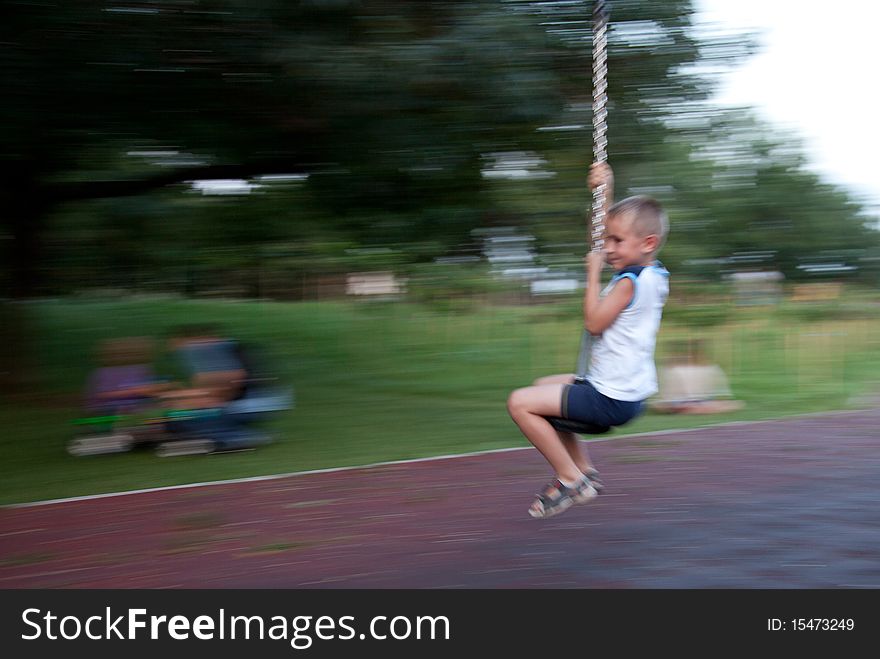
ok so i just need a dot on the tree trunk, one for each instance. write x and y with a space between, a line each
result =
24 209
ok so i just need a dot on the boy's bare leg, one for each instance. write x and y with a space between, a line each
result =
579 455
528 407
563 378
568 439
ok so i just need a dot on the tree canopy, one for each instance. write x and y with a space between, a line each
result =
379 120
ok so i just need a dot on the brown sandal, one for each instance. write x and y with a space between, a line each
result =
557 497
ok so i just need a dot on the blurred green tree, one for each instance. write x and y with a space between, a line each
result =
393 113
389 106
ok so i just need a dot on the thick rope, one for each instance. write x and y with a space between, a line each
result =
600 146
600 116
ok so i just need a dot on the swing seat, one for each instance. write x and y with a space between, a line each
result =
577 427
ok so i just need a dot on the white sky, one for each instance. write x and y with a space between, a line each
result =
817 72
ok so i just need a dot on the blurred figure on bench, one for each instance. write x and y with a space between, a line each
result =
124 381
691 384
225 395
122 393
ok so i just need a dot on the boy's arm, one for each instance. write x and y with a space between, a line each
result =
135 390
599 313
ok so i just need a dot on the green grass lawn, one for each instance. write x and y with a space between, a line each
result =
385 381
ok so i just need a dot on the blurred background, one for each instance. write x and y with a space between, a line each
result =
387 201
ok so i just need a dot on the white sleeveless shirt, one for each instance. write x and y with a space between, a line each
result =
622 357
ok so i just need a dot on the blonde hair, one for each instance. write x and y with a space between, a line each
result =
648 216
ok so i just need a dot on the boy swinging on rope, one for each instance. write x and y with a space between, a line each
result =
623 320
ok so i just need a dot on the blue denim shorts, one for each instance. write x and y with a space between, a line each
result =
581 402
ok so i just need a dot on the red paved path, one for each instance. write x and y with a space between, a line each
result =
780 504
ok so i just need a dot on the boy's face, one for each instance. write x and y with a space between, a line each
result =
623 246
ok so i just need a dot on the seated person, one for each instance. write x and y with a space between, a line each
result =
124 383
691 384
213 368
118 392
219 405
